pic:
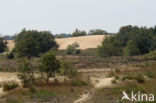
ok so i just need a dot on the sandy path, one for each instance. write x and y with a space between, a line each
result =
85 96
102 82
98 82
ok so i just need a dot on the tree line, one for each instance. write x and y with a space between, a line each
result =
129 41
78 32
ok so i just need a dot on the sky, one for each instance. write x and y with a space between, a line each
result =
64 16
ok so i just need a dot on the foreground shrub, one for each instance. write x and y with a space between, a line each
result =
26 73
11 86
49 65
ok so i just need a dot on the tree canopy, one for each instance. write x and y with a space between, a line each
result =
32 42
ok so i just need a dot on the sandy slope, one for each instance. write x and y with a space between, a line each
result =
85 42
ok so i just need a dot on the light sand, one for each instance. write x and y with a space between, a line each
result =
84 42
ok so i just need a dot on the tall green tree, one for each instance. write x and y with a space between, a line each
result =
32 42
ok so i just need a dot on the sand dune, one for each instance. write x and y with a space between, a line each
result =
85 42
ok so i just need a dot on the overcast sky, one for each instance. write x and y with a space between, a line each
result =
63 16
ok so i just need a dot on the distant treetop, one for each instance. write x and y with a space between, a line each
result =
79 33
